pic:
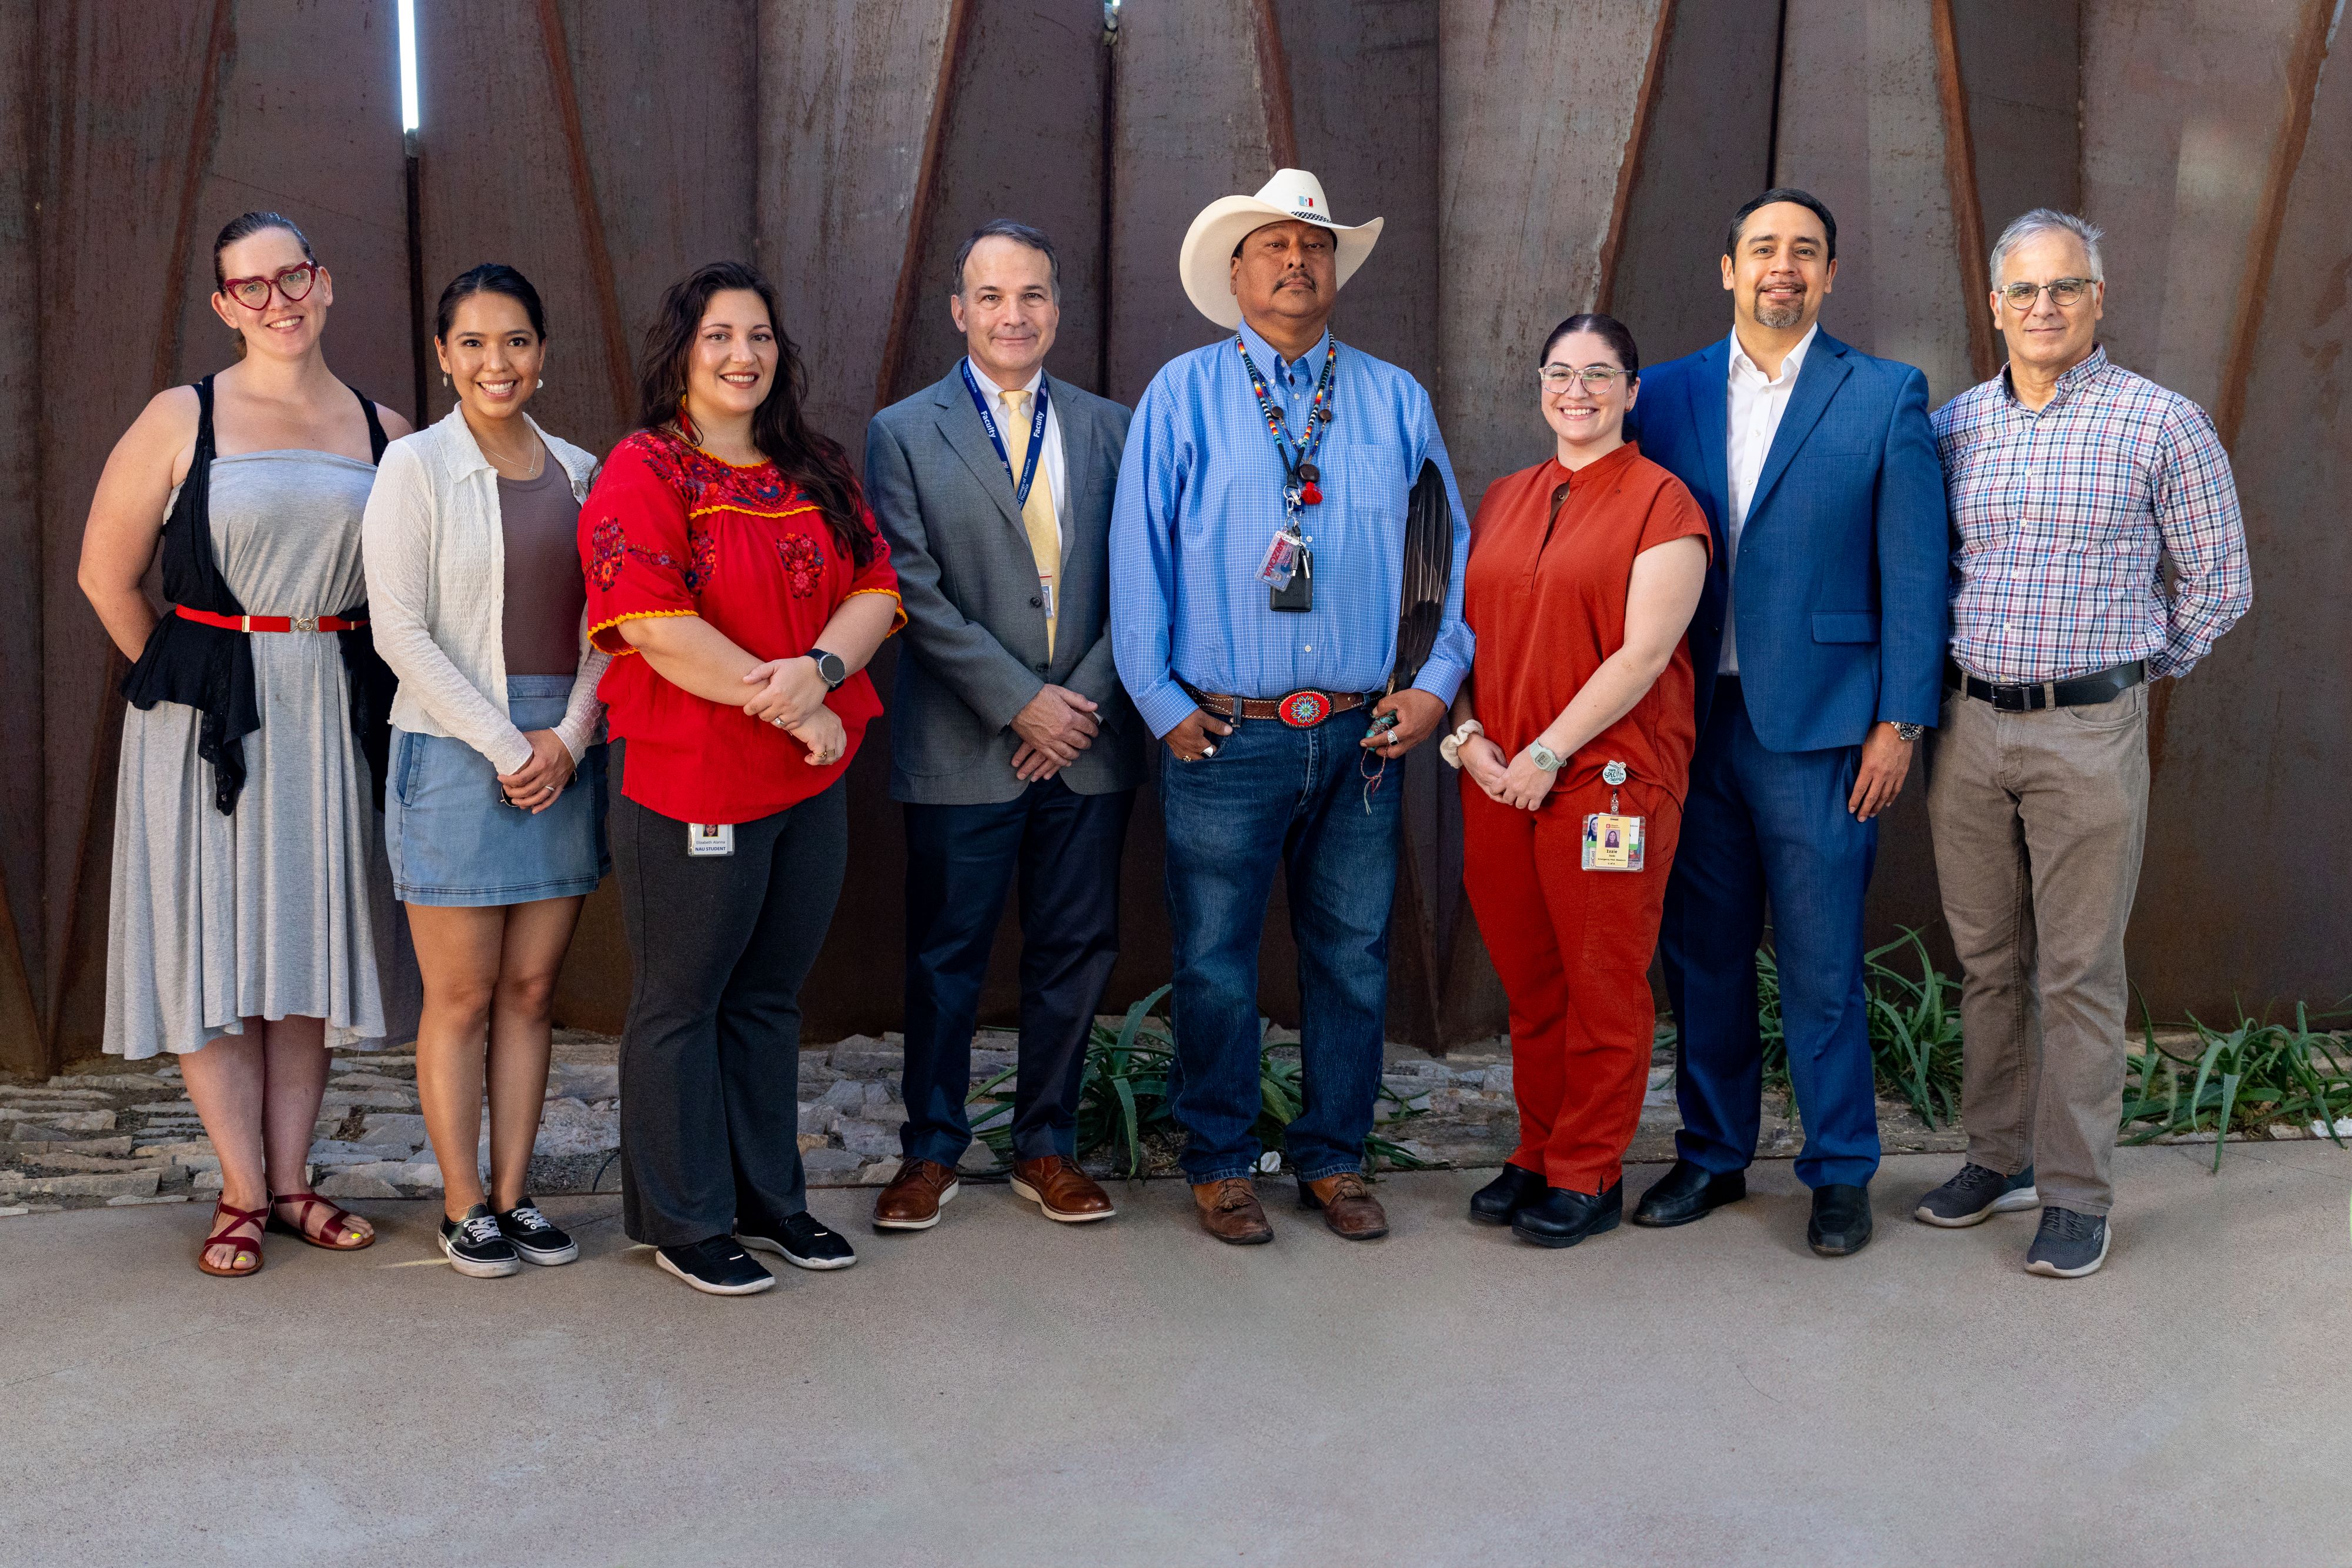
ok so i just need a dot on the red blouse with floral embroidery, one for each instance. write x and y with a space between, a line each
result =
670 529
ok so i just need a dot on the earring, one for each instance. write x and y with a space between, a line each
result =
540 383
444 380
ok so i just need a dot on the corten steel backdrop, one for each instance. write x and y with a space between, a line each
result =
1532 157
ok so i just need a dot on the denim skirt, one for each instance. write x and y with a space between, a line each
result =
451 841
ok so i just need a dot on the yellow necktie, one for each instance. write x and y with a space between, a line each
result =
1037 512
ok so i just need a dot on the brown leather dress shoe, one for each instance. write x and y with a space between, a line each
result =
1347 1204
1058 1185
1229 1211
911 1201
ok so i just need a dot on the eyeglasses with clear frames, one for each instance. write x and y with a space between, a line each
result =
1594 378
292 282
2063 292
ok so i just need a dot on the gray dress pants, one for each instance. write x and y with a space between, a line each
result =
2039 819
710 1055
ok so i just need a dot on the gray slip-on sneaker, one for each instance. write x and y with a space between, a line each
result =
1975 1195
2069 1245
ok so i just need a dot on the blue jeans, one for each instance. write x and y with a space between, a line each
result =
1274 795
1759 826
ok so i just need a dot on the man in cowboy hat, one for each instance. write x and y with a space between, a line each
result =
1257 547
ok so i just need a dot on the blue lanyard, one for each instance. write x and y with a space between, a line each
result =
1028 475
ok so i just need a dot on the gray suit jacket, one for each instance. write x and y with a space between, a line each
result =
974 646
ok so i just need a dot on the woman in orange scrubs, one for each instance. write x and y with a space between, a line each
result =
1583 573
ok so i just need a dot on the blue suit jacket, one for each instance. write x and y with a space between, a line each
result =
1841 586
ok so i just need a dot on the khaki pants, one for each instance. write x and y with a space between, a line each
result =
2039 819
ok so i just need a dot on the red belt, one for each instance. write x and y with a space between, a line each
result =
267 623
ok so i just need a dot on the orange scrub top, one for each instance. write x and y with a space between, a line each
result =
1552 557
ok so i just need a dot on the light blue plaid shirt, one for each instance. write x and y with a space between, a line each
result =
1200 496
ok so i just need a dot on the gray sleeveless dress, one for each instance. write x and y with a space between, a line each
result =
263 912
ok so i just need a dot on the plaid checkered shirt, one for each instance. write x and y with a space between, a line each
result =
2060 519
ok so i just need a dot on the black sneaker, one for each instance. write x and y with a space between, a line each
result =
535 1238
716 1268
803 1242
475 1247
1975 1195
2069 1245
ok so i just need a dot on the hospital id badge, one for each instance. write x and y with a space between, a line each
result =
709 839
1280 563
1613 842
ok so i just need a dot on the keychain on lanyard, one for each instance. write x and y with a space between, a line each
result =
1287 557
1022 481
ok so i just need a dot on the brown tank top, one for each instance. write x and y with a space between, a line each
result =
544 590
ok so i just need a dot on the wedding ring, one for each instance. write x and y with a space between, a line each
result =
1207 751
779 722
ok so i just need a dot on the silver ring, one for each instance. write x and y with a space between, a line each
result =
1207 750
779 722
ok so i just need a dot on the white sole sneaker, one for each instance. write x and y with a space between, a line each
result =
473 1269
953 1189
2051 1271
1022 1190
2007 1202
753 1289
770 1244
547 1259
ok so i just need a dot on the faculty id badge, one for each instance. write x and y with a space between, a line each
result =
1613 842
709 839
1282 559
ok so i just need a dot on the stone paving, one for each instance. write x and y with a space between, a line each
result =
114 1133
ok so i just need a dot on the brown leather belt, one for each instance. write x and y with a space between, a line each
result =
1301 709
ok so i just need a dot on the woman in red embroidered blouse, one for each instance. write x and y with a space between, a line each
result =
737 577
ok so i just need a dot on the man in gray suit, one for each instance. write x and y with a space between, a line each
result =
1013 745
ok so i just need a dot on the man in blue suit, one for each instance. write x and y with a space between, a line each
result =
1819 649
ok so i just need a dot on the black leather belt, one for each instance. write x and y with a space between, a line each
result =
2077 690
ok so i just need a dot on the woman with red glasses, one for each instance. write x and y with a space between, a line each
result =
238 935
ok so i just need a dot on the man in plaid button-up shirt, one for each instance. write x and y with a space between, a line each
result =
2069 480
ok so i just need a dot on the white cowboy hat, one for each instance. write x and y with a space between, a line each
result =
1205 260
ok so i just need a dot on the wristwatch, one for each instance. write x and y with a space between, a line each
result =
830 668
1449 748
1906 731
1544 757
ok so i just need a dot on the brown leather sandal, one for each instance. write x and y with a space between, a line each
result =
244 1248
338 1220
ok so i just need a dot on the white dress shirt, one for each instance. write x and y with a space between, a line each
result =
1056 472
1756 403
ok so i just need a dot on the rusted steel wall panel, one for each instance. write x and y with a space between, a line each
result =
654 115
1537 105
1189 126
160 124
1861 128
21 775
2182 106
2022 69
1708 148
2253 910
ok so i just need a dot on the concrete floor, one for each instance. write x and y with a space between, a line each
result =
1005 1391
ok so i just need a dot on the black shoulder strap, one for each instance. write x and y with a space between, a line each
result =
377 441
203 451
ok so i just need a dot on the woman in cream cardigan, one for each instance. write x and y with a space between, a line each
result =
494 812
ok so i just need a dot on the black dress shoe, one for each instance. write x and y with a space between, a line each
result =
1563 1216
1840 1222
1688 1192
1495 1203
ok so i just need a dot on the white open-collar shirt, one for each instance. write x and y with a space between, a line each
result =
1050 459
1756 403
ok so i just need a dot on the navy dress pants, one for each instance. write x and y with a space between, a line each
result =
960 863
1763 825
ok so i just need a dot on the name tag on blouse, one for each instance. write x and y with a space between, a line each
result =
709 839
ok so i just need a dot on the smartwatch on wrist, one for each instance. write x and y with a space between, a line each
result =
830 668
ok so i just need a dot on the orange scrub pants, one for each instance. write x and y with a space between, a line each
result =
1573 949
